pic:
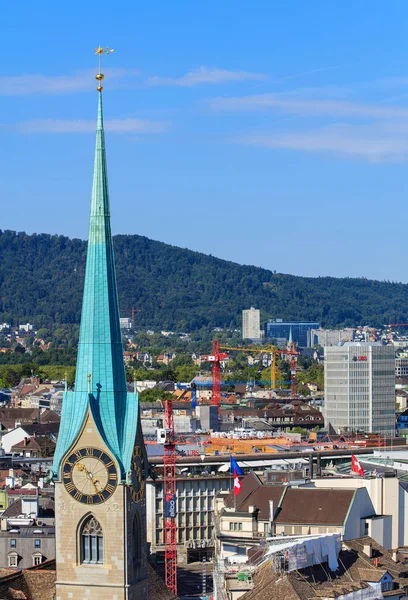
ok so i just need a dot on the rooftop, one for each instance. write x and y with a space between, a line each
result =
355 572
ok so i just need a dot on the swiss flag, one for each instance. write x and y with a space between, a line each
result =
356 466
237 483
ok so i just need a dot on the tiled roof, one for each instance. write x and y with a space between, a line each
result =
250 483
14 509
26 444
354 572
38 583
261 497
315 506
23 492
42 428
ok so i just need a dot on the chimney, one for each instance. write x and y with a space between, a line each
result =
395 555
368 550
376 562
271 510
251 509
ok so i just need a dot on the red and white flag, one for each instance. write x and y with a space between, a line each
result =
356 466
237 484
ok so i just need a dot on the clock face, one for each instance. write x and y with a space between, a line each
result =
89 475
137 488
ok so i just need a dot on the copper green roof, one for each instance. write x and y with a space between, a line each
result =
100 353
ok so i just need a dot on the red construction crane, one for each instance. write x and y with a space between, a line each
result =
169 496
215 358
293 353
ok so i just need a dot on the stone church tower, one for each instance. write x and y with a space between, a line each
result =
100 461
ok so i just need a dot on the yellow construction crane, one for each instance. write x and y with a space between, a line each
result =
258 350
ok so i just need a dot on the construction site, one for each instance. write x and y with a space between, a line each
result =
196 434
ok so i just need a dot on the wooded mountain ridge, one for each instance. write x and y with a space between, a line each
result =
171 288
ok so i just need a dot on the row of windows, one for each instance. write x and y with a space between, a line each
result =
189 504
13 559
188 533
189 519
235 526
306 529
13 543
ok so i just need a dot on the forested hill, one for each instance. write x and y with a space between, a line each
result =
41 280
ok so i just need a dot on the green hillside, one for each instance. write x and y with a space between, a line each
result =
41 279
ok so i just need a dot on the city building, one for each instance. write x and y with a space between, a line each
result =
359 383
126 323
35 431
195 515
330 337
261 510
293 414
385 496
401 366
307 568
281 331
100 461
27 533
26 327
251 324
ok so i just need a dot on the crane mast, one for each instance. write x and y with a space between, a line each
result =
170 500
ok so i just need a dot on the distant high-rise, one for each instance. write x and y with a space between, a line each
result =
251 324
280 331
359 386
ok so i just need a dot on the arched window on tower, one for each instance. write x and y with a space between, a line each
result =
91 540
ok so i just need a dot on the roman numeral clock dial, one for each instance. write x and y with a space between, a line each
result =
137 487
89 475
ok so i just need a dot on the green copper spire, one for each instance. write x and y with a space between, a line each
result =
100 382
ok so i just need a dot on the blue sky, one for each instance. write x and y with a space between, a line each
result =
264 132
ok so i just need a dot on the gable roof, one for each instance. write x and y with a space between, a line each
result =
42 428
261 498
250 483
26 444
316 506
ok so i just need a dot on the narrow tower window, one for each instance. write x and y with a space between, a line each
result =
91 541
137 546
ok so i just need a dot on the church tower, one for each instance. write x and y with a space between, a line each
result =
100 461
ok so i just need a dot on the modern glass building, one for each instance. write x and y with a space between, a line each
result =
300 332
359 385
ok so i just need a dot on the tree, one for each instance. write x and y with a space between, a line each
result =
185 373
43 333
153 395
11 378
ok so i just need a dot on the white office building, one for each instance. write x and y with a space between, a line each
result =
251 324
359 383
126 323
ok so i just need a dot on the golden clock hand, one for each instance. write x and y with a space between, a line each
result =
95 481
82 467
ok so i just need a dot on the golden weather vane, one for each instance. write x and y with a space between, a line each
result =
99 51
